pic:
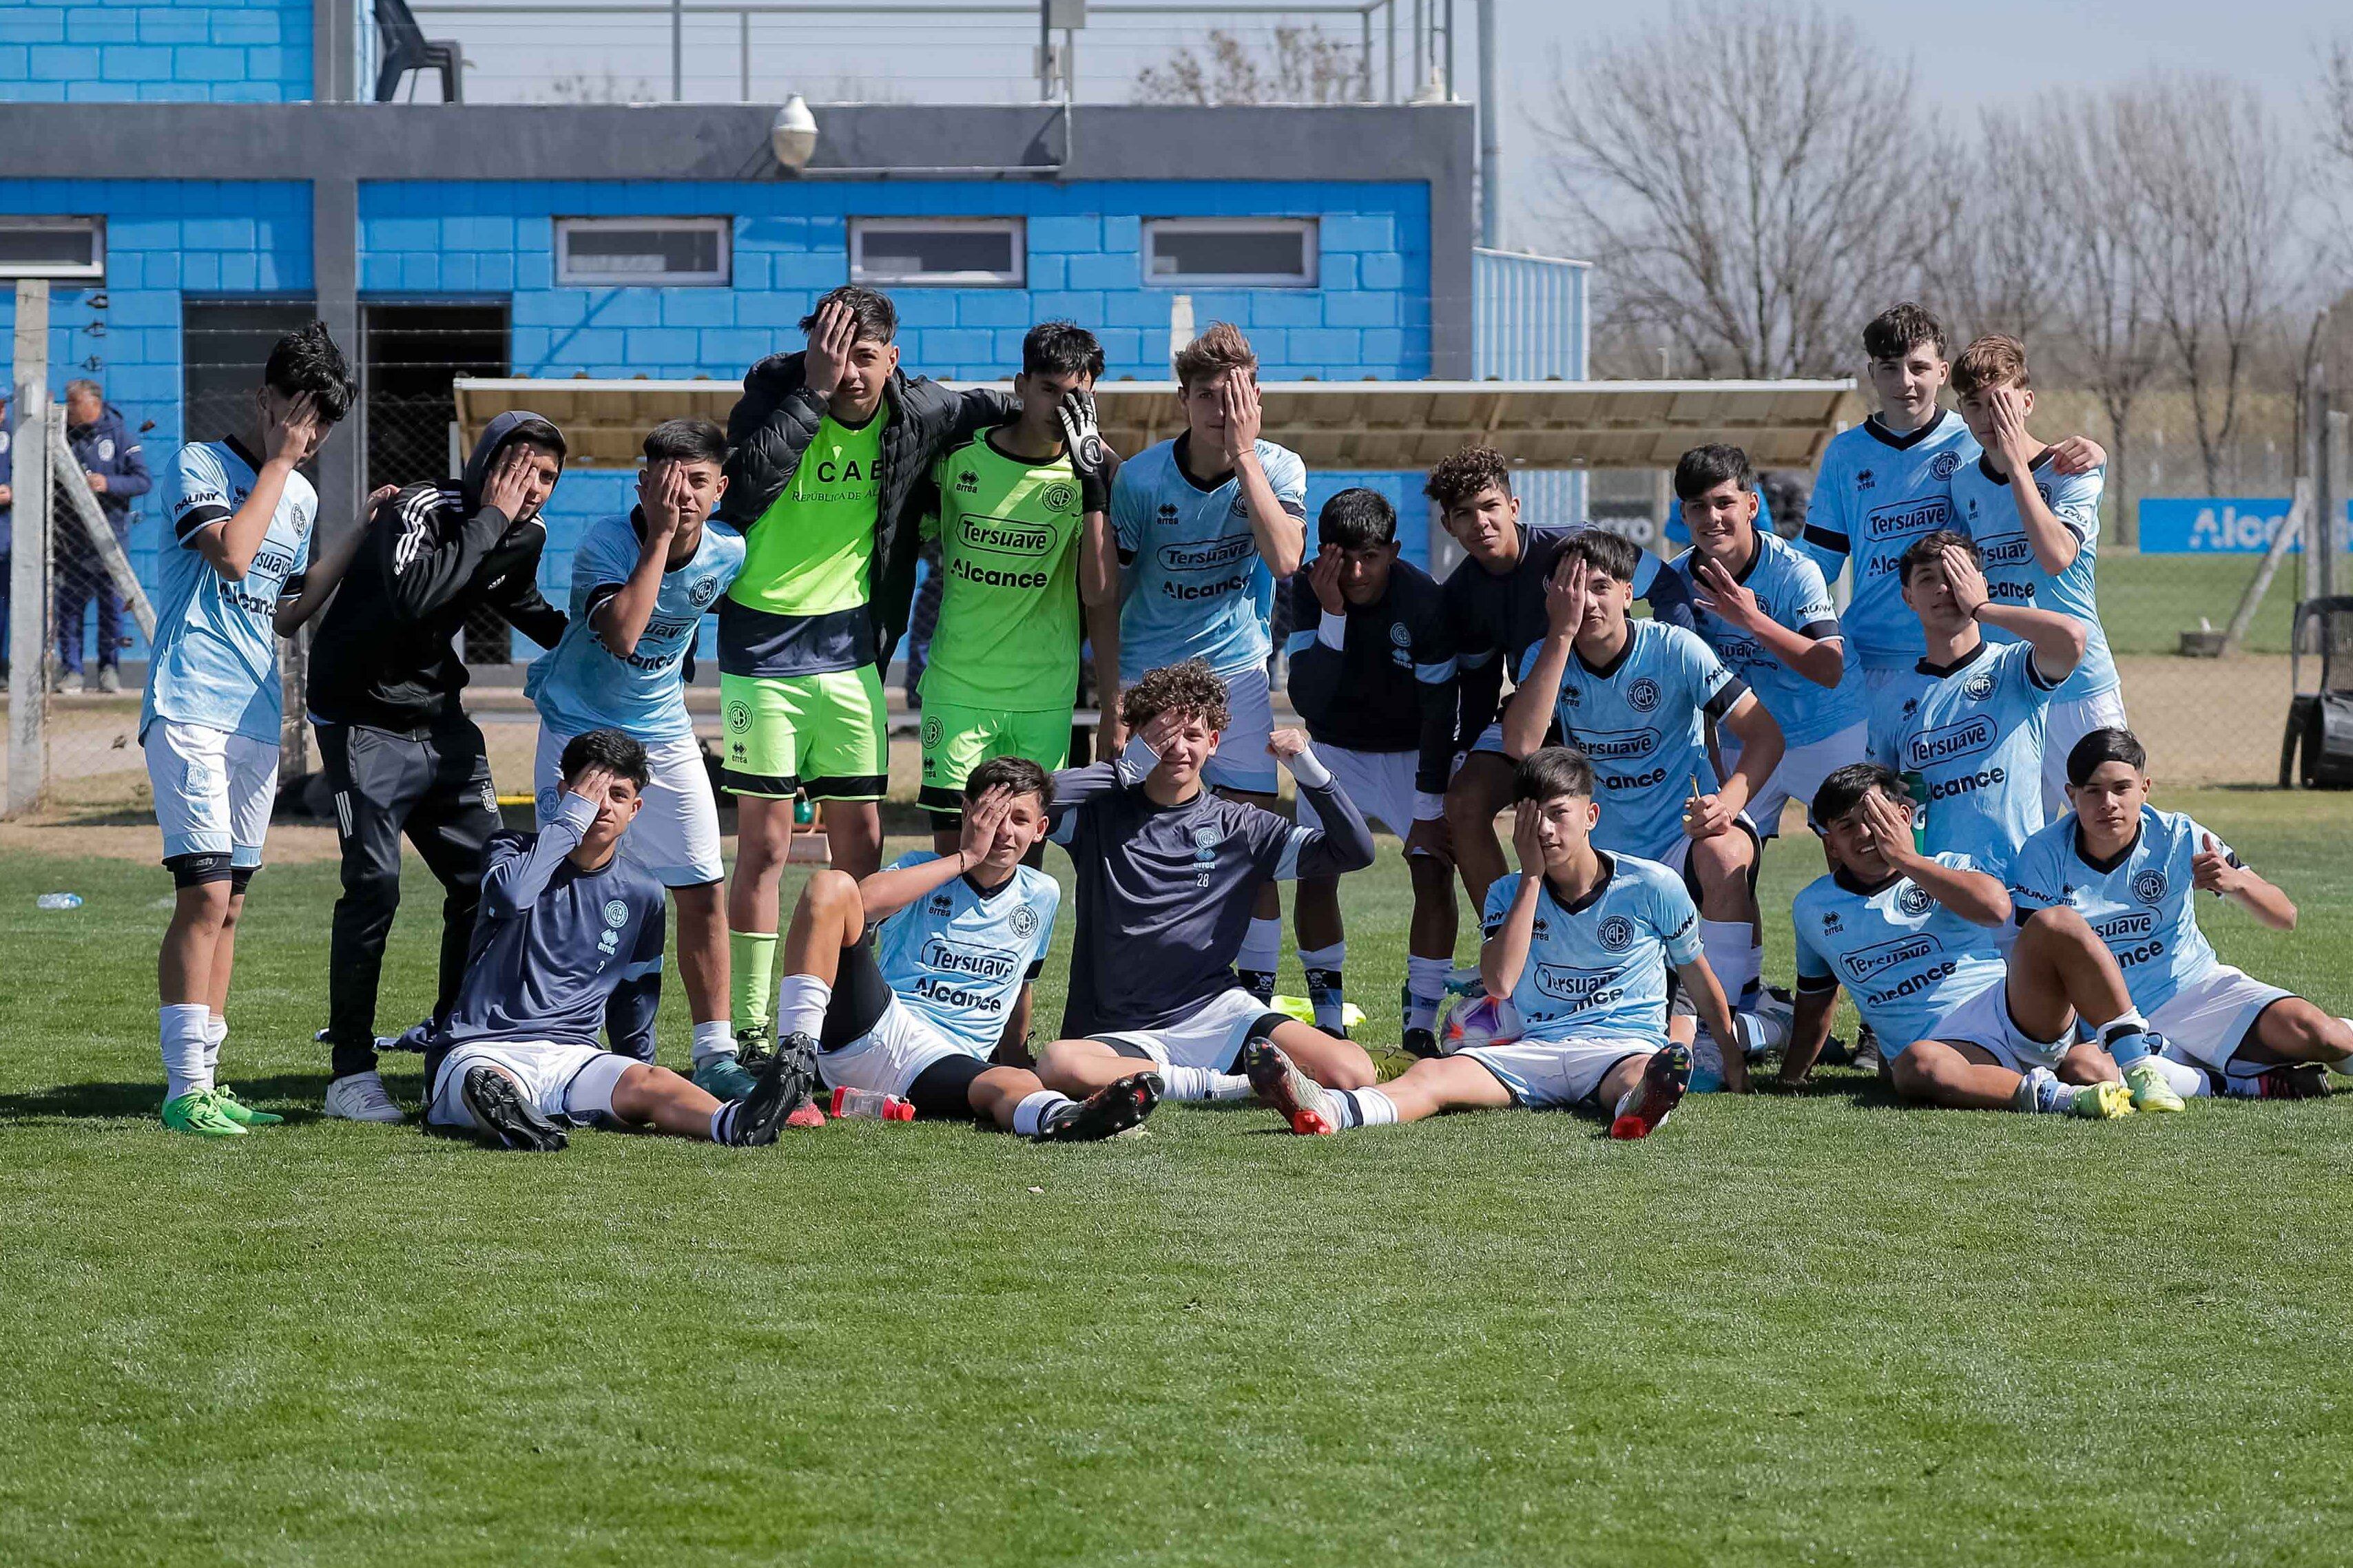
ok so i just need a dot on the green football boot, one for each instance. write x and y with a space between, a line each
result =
197 1111
2150 1090
723 1076
237 1110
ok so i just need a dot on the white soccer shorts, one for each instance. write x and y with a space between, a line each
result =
891 1056
676 835
1377 784
1984 1021
1211 1037
1242 761
1802 772
1546 1075
213 790
2207 1020
2063 725
564 1083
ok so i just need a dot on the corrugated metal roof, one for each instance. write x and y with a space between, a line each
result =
1354 426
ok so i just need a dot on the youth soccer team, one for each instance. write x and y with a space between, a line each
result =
2015 923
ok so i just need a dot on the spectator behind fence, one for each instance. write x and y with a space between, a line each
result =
109 454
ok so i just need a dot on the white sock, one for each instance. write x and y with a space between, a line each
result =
723 1120
801 1001
1029 1116
1330 997
1261 947
2343 1065
1201 1083
714 1037
216 1036
1730 949
2188 1082
180 1027
1425 989
1364 1108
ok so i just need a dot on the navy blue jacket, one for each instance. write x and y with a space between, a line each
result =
106 446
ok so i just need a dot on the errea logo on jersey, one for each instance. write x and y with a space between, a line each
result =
968 483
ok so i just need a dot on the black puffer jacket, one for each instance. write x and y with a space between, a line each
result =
777 417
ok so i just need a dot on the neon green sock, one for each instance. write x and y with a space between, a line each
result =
752 977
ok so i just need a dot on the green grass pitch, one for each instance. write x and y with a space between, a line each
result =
1823 1330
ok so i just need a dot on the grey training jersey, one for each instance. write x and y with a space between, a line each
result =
1165 892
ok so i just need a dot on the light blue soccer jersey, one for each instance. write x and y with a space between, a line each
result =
581 685
1600 969
1196 587
957 958
216 657
1641 722
1905 958
2142 903
1985 508
1790 588
1974 734
1875 493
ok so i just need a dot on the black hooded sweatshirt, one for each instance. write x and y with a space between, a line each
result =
386 654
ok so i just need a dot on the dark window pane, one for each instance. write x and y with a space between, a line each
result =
642 252
912 253
1229 253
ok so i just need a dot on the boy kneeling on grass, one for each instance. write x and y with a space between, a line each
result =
570 937
902 983
1579 940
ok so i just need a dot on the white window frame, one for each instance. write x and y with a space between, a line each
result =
1310 252
568 276
90 271
1017 228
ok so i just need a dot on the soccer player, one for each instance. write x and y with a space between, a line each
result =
241 577
2134 873
1167 872
641 584
1888 481
1494 614
1206 524
829 449
1913 935
1969 723
1579 940
1762 605
905 980
1020 518
393 739
1372 675
1635 697
2038 535
570 937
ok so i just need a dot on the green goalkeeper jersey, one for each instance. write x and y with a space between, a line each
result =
1009 624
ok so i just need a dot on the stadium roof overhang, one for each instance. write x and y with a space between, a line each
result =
1335 425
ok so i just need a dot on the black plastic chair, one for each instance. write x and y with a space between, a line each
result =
405 49
2320 721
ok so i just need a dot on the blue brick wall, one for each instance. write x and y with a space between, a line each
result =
164 240
1369 316
161 51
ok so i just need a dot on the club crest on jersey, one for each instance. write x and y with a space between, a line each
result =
1642 696
1239 509
1913 900
1945 465
617 913
548 798
703 593
1616 933
1024 922
106 450
1979 687
2148 886
1058 497
1400 634
1205 842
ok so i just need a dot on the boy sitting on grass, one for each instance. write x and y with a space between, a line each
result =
570 937
1579 940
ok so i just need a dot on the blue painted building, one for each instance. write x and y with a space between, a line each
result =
669 242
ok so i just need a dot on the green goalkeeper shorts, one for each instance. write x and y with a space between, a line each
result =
820 734
957 740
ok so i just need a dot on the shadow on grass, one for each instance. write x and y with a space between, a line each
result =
297 1096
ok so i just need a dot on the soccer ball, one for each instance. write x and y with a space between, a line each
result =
1478 1021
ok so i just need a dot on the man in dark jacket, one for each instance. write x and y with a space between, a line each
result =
111 460
398 747
831 450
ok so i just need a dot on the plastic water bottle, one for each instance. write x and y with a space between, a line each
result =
871 1104
58 901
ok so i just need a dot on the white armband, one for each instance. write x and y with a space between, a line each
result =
1309 769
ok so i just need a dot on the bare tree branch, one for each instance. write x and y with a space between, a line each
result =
1305 64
